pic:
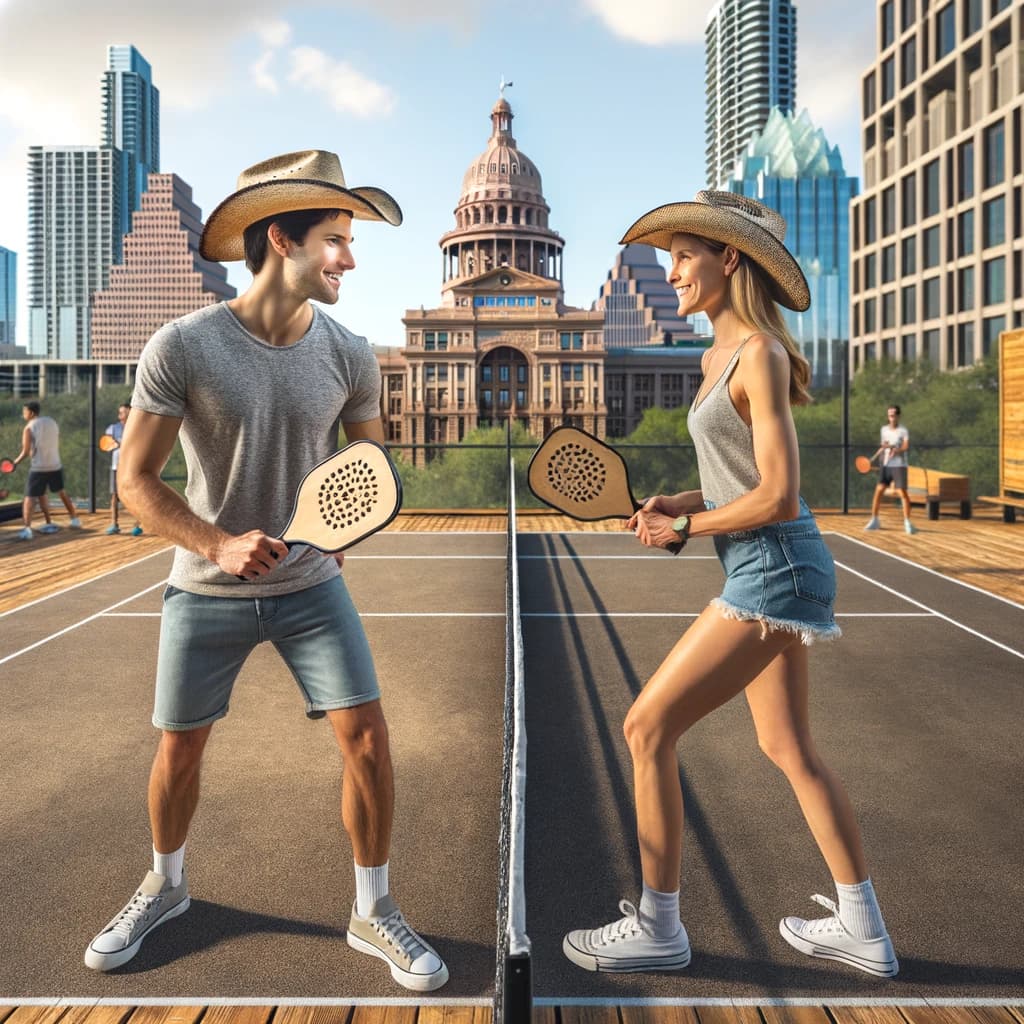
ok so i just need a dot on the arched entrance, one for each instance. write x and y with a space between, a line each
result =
503 384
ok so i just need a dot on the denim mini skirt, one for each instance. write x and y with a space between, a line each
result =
781 575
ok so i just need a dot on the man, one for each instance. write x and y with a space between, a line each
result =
40 441
116 431
895 442
256 388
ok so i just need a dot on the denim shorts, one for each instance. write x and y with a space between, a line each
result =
781 575
205 640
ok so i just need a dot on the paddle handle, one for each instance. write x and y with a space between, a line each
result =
674 548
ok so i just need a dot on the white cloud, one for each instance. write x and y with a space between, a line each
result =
260 72
653 22
347 90
275 33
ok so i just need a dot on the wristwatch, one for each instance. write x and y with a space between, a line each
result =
682 527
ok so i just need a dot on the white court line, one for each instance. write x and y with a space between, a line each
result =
249 1001
821 1000
91 579
82 622
552 615
952 622
523 558
924 568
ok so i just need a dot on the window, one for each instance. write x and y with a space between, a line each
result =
932 308
930 189
908 216
995 155
965 288
964 344
888 80
889 309
930 347
870 270
887 24
993 221
907 14
909 255
869 316
931 242
869 221
972 16
945 31
889 211
888 264
908 303
909 347
965 229
870 101
995 281
965 170
990 329
908 62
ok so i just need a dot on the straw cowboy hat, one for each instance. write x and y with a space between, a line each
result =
310 180
736 220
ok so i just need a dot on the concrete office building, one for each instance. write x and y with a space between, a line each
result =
162 276
73 229
790 167
750 68
937 232
8 295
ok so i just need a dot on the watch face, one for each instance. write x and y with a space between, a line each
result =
681 524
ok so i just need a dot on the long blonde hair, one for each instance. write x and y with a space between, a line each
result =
751 296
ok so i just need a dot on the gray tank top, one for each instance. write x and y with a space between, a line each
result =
724 443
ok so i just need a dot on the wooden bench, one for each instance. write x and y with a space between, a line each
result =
930 487
1010 505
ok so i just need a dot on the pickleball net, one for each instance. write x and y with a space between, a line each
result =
513 994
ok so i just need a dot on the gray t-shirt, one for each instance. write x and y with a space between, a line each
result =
255 419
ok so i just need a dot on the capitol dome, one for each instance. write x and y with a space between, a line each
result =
501 164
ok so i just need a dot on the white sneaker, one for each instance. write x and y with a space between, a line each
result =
25 533
625 945
49 528
909 527
828 938
76 523
384 933
873 524
154 902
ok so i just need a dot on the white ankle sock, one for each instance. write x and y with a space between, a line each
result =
858 910
170 865
660 912
371 884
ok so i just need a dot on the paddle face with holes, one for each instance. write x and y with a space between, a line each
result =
107 443
352 494
6 465
863 464
581 476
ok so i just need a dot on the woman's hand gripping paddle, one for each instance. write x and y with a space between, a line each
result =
575 473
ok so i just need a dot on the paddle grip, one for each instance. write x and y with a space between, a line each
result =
674 548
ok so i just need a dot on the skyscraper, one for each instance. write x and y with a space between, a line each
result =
790 167
8 294
162 276
750 67
936 256
131 124
73 227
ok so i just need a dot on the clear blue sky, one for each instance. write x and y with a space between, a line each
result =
608 99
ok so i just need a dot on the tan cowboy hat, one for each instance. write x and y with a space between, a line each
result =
736 220
310 180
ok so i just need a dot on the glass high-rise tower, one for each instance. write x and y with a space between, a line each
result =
131 124
8 294
790 167
750 68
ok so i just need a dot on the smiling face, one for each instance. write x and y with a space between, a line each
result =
698 274
314 269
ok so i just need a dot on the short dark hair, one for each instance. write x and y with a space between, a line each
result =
893 405
33 407
294 224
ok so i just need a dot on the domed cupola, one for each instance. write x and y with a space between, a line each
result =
501 219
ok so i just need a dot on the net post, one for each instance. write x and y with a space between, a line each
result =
518 1001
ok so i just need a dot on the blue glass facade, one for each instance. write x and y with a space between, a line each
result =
8 294
790 168
131 124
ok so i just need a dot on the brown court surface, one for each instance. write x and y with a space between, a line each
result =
979 550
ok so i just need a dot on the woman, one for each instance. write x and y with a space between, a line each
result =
728 260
